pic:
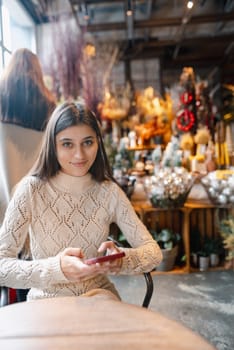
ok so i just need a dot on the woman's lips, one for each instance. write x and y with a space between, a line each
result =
79 164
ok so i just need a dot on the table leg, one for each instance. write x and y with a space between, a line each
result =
186 236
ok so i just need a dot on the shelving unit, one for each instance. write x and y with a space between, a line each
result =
203 215
142 148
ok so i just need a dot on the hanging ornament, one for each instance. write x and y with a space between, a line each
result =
186 98
185 120
198 102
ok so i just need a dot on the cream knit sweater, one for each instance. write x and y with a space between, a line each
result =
68 212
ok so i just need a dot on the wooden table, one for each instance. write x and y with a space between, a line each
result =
91 323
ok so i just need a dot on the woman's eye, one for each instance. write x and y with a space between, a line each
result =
88 142
67 144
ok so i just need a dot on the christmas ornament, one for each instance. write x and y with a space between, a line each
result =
186 98
185 120
169 188
219 189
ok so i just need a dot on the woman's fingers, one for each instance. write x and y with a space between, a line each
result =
73 252
75 269
114 266
108 246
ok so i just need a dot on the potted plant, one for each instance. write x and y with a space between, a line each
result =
214 246
203 259
227 233
168 242
205 251
209 253
195 245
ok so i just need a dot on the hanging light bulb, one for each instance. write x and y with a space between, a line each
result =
190 5
86 14
129 8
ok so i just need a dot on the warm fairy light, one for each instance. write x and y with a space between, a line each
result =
107 95
90 50
190 5
157 106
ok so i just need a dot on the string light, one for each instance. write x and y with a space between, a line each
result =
90 50
190 5
129 8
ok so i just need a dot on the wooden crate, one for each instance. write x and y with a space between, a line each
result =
206 220
158 219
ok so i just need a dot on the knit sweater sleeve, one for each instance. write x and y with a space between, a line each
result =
18 273
145 253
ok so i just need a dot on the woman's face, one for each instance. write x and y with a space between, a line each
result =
76 148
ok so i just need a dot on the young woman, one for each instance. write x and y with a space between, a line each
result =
24 98
67 204
25 106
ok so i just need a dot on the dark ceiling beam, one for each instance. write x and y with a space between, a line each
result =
162 22
211 62
181 61
205 54
205 60
193 42
95 2
168 63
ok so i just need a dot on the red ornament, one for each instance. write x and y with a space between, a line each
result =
185 120
186 98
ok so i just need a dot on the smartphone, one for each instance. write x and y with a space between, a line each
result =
104 258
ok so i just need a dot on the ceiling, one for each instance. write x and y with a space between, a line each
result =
202 37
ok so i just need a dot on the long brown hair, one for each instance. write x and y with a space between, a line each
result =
64 116
24 98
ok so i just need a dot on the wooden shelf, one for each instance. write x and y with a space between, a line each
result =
142 148
175 271
183 270
145 210
217 268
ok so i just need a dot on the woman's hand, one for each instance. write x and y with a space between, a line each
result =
75 270
110 248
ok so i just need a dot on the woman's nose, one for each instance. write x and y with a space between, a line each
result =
78 152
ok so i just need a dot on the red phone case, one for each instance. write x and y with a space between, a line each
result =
100 259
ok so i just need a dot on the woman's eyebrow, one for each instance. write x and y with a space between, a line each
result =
65 139
70 139
89 137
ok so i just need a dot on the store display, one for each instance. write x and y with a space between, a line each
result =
203 160
221 149
185 120
220 187
127 183
169 188
205 110
186 115
173 155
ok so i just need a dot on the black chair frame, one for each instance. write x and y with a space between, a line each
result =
148 280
